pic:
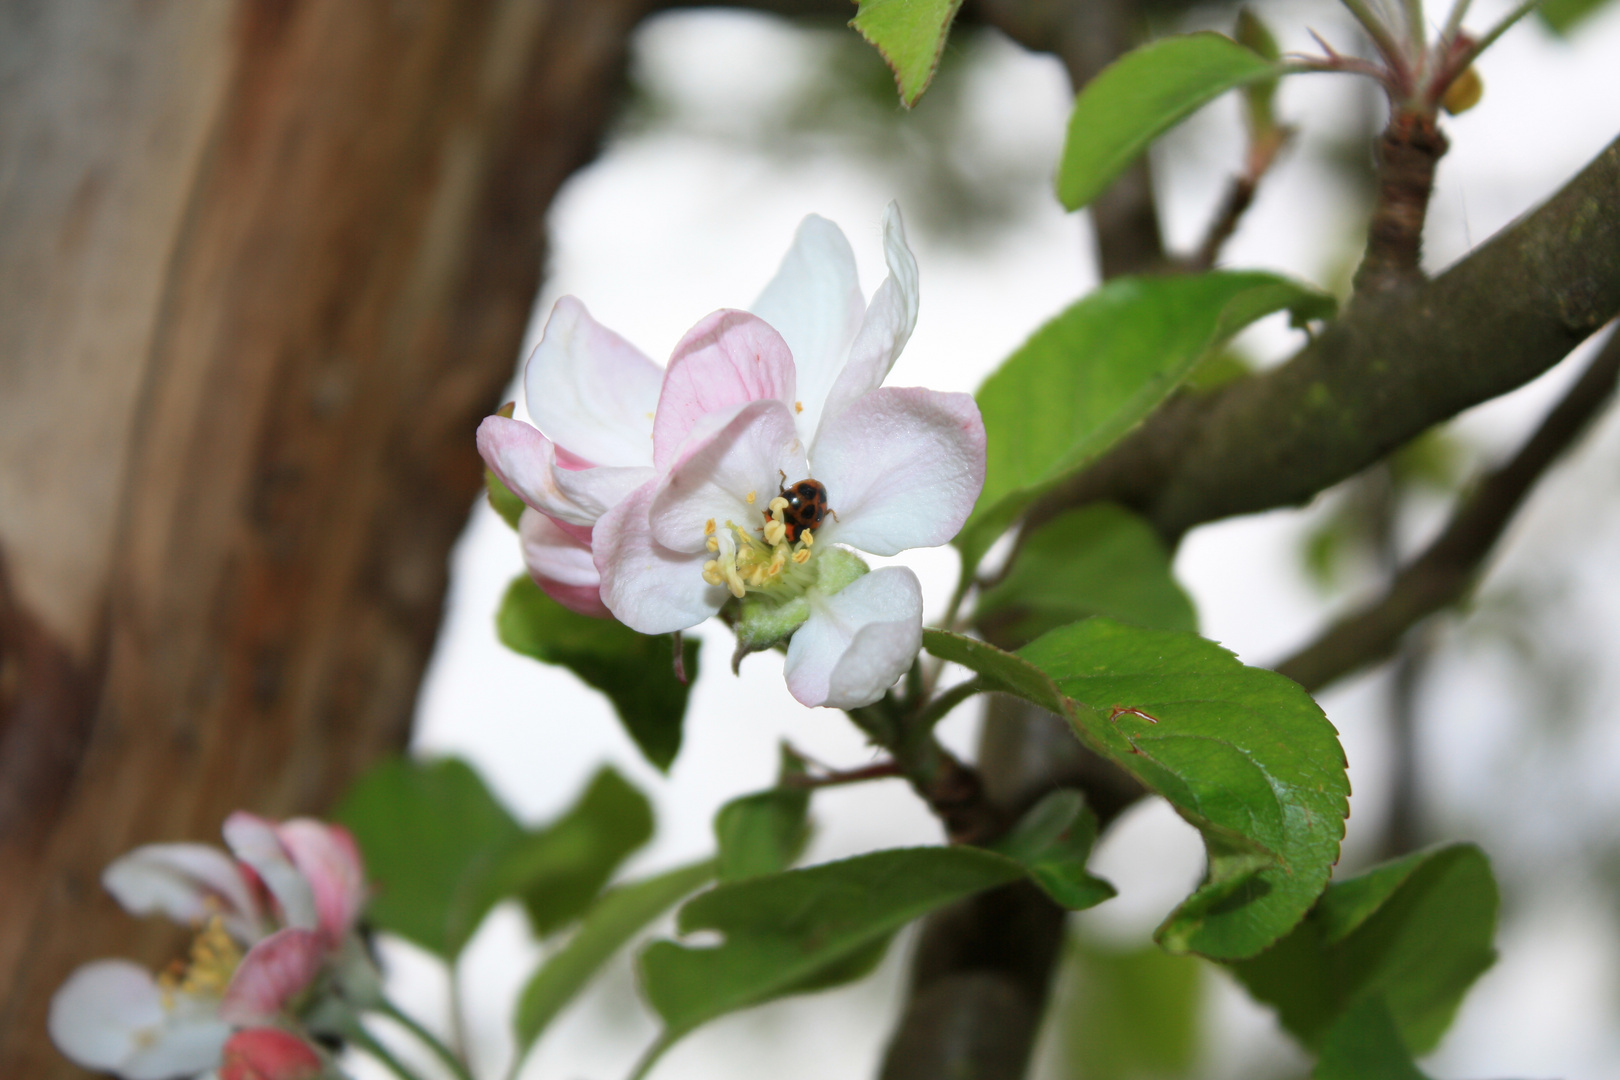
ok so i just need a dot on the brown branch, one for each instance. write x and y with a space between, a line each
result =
1395 364
1448 569
1408 152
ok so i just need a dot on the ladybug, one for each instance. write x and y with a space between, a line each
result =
806 506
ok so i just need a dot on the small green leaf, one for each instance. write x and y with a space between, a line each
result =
634 670
611 922
1053 841
1139 97
785 932
501 499
910 35
1130 1014
1414 933
1243 754
431 833
1563 16
1365 1044
1094 372
761 833
558 870
1097 560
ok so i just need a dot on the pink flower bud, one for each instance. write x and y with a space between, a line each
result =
269 1054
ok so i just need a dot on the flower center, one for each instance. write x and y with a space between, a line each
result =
214 959
760 559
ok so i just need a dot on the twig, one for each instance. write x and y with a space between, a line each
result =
1408 152
1446 571
1239 196
882 770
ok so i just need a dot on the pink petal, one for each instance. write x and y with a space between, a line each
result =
255 841
590 390
856 642
526 462
269 1054
329 859
815 303
728 359
903 468
887 326
187 882
561 565
645 585
275 969
726 460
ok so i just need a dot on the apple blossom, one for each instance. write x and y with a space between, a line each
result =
669 483
270 920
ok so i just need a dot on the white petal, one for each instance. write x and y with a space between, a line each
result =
858 641
715 472
329 859
253 839
560 564
591 391
526 462
815 303
728 359
275 969
903 468
647 586
109 1016
186 882
887 326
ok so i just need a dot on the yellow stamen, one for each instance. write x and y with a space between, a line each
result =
751 497
775 531
801 556
807 538
798 406
708 527
778 505
215 956
712 544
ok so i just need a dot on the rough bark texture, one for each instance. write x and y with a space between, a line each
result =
265 264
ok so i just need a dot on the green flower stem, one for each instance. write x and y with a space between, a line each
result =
428 1039
937 709
362 1038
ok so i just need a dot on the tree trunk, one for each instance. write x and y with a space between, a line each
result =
263 266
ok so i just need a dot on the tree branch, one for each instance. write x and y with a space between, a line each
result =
1445 572
1396 363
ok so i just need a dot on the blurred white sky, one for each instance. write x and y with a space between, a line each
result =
672 223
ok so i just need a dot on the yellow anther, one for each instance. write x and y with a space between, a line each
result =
712 544
711 572
778 504
774 532
798 406
708 527
801 556
751 497
215 956
807 538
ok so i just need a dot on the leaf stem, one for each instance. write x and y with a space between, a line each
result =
1497 31
1454 21
427 1038
1387 46
362 1038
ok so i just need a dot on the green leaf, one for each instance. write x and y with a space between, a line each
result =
634 670
785 932
501 499
1414 933
1095 371
761 833
1365 1044
1053 841
1097 560
430 833
558 871
910 35
610 923
1139 97
1243 754
1130 1014
1563 16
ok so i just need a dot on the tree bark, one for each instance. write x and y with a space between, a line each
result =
263 266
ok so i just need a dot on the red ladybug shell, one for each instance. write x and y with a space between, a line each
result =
806 508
